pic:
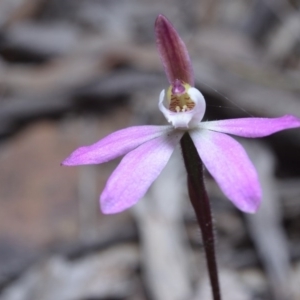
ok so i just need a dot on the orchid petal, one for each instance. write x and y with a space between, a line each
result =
114 145
173 53
136 172
252 127
228 163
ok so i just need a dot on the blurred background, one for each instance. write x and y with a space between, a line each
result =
73 71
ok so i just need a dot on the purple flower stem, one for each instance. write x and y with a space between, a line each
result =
201 205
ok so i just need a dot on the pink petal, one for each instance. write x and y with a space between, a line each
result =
114 145
253 127
173 52
136 172
229 164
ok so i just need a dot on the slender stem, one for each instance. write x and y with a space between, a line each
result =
201 205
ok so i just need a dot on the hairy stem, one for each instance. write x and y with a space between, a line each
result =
201 205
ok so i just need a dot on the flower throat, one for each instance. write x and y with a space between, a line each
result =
178 98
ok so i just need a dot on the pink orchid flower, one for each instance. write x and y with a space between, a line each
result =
147 149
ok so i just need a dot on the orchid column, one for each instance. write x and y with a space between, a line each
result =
147 149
